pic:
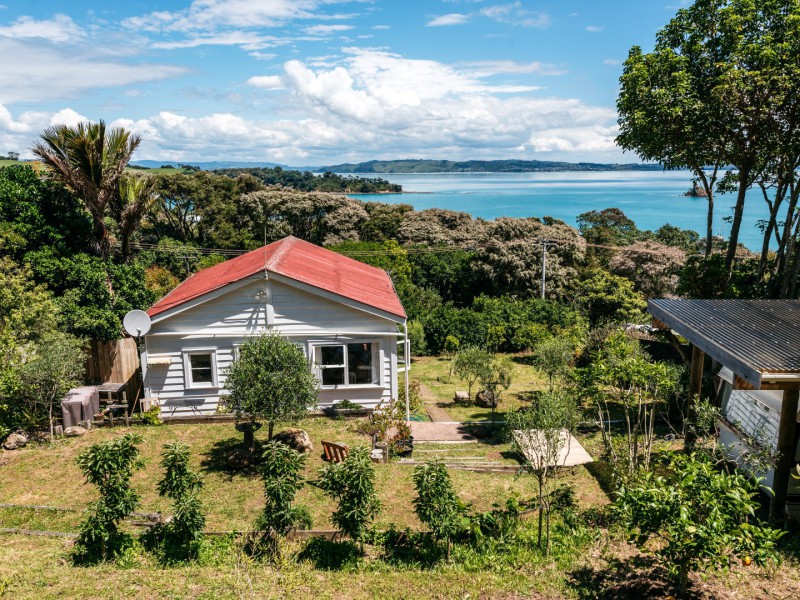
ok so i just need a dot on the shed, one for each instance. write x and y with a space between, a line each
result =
343 314
759 342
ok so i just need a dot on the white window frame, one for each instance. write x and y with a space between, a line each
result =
377 363
189 383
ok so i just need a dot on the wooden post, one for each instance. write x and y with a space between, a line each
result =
695 389
780 482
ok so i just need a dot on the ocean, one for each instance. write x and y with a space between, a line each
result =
650 198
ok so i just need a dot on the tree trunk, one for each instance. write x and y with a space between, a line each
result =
738 211
541 514
270 429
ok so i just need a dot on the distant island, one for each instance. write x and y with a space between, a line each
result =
479 166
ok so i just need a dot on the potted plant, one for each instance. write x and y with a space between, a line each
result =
344 408
402 444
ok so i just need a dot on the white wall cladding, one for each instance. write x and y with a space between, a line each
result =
754 416
224 322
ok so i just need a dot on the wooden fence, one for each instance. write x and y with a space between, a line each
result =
116 361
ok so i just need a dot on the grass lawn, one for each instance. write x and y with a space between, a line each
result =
438 388
42 474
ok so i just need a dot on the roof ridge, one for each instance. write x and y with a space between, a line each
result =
284 245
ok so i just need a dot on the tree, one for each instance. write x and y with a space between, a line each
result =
437 504
180 484
651 266
718 89
281 469
137 194
109 466
552 356
271 380
351 483
497 379
28 315
89 160
472 364
55 364
702 517
539 435
609 299
622 375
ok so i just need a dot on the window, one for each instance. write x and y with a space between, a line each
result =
200 369
347 364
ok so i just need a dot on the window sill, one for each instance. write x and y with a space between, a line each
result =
202 387
357 386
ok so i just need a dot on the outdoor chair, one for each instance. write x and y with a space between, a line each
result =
335 452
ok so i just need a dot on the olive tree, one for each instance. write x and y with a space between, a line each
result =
55 365
540 434
271 380
473 364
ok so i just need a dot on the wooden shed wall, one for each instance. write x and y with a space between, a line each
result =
116 361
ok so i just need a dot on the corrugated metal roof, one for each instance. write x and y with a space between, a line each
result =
300 261
752 337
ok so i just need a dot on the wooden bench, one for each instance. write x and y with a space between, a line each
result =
461 398
334 452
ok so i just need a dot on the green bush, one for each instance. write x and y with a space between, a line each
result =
436 504
351 483
701 516
109 466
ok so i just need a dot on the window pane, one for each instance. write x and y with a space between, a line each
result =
330 355
333 376
359 361
201 368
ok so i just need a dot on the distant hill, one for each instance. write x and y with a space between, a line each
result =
204 166
479 166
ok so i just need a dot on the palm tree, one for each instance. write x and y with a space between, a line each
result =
137 194
90 160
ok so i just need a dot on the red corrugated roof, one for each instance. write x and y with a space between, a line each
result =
298 260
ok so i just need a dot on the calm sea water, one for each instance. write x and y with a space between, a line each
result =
651 199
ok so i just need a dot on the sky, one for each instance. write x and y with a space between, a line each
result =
320 82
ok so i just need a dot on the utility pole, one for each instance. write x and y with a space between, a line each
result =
544 263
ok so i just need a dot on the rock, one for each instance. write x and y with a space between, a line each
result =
485 399
74 431
697 192
15 441
296 439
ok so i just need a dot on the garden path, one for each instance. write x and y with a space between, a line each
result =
436 413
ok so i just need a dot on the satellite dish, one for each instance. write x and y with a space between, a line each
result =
136 323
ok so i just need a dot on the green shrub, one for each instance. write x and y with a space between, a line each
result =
436 504
109 466
351 483
702 517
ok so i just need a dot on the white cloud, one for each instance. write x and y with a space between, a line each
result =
326 29
245 39
382 27
486 68
612 62
515 14
263 55
594 28
209 15
47 72
60 29
444 20
267 82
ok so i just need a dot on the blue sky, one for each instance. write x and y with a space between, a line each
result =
311 82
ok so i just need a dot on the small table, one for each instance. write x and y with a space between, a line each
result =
110 388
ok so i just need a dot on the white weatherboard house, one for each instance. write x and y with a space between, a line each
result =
342 313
